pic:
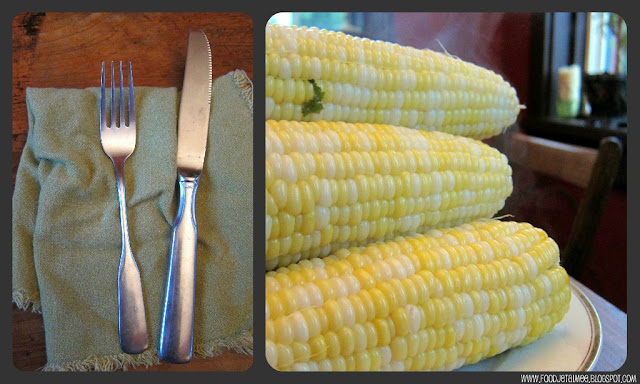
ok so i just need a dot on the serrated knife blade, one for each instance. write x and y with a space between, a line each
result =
195 105
176 333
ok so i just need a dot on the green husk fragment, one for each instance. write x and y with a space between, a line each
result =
315 104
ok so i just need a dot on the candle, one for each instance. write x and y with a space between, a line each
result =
569 81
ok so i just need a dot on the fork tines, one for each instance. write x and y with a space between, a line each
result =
131 104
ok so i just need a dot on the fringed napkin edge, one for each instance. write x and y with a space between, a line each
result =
23 300
241 343
245 85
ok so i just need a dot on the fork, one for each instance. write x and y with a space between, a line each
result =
119 142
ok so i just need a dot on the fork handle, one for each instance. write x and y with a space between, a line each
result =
134 337
132 325
176 335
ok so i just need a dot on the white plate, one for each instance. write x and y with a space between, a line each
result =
573 345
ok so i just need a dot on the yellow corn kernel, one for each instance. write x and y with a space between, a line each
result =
377 82
408 181
474 293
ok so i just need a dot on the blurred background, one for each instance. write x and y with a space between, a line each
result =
569 70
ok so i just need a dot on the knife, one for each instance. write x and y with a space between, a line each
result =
176 334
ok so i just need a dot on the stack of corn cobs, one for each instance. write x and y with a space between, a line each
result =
381 249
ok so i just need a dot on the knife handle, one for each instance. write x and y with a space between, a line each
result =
176 334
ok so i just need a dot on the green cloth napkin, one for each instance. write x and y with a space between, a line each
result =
66 233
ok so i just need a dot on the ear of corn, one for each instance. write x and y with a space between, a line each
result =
379 82
333 185
435 301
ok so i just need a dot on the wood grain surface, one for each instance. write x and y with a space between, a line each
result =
65 50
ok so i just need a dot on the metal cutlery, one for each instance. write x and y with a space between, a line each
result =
176 335
119 142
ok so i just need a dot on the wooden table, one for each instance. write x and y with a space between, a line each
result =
65 50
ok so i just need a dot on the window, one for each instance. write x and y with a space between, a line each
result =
328 20
606 44
374 25
597 43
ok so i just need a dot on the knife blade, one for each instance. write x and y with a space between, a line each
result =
176 333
